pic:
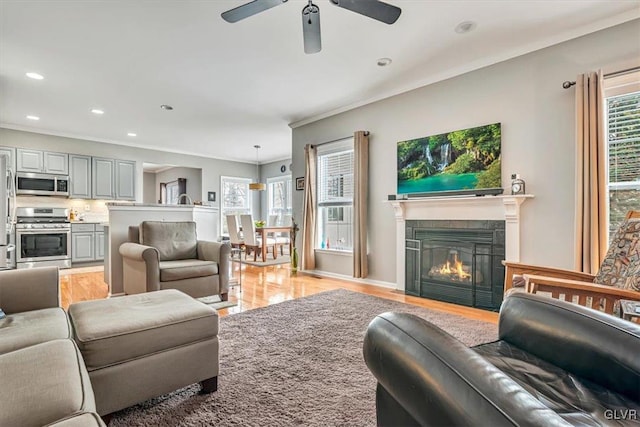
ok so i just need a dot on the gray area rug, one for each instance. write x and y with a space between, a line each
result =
294 363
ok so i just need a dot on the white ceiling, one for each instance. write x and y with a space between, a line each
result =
237 85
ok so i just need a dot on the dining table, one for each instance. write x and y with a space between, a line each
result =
263 231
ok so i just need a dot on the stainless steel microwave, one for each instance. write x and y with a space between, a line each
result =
42 184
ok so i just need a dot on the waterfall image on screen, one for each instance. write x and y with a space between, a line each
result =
465 159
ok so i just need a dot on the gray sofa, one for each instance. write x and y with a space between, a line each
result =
168 255
44 378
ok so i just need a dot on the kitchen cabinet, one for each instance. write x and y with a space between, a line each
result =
56 163
30 160
125 174
79 177
42 161
99 245
10 152
87 242
82 246
102 178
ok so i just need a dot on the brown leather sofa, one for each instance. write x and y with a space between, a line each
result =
168 255
555 364
43 378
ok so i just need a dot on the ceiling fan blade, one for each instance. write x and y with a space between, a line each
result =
250 9
311 29
375 9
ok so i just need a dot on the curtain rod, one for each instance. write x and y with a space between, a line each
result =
567 84
366 132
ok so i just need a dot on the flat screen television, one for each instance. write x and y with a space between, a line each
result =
461 161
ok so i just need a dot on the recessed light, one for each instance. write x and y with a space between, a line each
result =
97 111
35 76
465 27
132 134
166 107
383 62
33 117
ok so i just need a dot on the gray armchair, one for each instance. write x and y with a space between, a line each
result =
167 255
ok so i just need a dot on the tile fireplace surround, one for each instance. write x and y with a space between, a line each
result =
503 208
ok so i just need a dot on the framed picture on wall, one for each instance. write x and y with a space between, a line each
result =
300 183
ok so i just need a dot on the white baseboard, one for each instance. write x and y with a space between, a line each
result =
352 279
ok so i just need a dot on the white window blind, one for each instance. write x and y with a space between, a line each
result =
335 179
623 115
335 196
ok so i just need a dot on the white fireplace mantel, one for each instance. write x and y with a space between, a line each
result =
501 208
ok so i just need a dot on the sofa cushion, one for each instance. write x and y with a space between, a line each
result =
43 383
22 330
120 329
174 240
578 401
186 269
83 419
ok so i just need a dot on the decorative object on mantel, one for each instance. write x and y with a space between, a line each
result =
463 161
517 184
257 186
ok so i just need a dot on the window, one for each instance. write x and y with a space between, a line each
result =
335 196
279 197
623 130
236 199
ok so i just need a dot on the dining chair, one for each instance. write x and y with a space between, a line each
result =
234 236
251 241
284 238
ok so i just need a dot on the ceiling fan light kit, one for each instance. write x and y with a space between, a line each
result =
374 9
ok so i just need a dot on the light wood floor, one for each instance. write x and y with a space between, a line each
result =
262 286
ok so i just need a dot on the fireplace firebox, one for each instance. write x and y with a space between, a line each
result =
456 261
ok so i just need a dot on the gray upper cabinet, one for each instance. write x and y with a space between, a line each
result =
56 163
80 176
30 160
10 152
103 178
42 161
125 180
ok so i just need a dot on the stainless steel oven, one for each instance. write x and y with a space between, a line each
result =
42 184
43 237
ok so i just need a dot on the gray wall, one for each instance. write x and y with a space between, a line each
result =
149 188
192 175
212 169
270 170
537 116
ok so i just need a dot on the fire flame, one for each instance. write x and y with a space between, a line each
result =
457 268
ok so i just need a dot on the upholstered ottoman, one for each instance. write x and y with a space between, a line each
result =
140 346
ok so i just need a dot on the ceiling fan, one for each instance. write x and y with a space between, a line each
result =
374 9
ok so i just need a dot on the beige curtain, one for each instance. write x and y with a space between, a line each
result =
309 209
591 203
360 198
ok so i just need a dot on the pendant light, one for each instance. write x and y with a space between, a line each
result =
257 186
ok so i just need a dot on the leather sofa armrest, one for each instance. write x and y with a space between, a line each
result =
437 380
29 289
594 345
220 253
